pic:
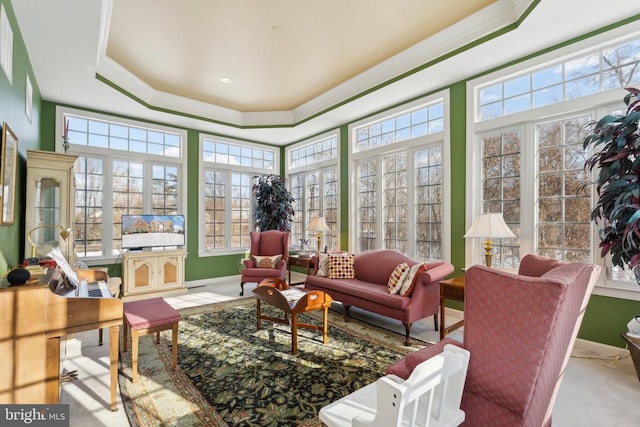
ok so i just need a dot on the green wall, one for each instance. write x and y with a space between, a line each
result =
605 318
12 111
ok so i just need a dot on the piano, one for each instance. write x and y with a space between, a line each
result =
33 319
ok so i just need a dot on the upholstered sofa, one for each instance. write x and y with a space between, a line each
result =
368 289
520 329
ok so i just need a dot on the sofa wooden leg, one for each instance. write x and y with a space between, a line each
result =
346 312
407 328
435 321
241 288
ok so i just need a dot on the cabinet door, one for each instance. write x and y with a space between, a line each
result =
139 275
170 268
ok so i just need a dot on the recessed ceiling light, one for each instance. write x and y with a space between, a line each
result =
226 80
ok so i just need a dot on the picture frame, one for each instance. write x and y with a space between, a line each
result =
8 167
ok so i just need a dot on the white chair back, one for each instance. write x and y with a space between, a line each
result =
430 397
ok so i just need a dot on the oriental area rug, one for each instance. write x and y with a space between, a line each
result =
230 374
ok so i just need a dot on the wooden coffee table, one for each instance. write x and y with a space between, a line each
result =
292 301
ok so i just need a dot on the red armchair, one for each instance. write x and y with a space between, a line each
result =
519 329
265 243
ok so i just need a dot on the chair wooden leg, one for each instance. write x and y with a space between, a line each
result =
435 321
100 336
241 288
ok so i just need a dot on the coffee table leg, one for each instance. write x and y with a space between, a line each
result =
325 335
258 314
294 334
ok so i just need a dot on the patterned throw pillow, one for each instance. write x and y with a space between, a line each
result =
323 265
397 278
412 277
341 266
266 261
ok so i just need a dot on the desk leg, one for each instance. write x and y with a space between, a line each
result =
52 385
114 343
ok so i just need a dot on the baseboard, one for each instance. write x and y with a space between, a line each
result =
212 281
585 348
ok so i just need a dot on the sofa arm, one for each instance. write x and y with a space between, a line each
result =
406 365
438 273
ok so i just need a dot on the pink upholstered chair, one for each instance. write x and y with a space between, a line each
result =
265 243
520 329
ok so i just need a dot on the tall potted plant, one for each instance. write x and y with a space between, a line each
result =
273 203
615 140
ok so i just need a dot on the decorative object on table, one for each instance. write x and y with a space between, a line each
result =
489 226
64 234
274 204
18 276
614 140
8 174
633 327
319 225
304 244
65 136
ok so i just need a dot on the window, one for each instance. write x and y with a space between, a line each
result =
124 167
400 196
312 167
531 156
227 171
613 66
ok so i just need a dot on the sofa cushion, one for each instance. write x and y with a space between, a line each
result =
411 279
397 278
323 265
341 266
358 289
266 261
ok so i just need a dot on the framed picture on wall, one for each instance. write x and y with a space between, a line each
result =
8 174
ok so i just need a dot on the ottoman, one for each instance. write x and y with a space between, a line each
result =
146 317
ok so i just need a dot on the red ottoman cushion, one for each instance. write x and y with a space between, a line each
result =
149 313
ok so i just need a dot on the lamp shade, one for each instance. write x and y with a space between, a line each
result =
489 225
318 223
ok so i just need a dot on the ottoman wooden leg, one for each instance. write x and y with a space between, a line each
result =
134 355
174 345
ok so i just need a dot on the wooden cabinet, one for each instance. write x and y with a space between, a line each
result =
149 274
50 205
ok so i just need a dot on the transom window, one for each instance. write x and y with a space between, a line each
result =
610 67
313 153
403 126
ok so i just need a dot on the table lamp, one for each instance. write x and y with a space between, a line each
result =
489 226
318 225
64 233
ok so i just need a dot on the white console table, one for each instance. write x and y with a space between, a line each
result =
149 274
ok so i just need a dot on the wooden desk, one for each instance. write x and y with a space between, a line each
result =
452 289
298 261
292 301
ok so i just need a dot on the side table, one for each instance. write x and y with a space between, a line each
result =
633 344
298 261
452 289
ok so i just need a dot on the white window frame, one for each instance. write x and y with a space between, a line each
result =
229 168
410 147
319 167
105 154
598 104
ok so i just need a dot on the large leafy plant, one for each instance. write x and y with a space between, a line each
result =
616 143
273 203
